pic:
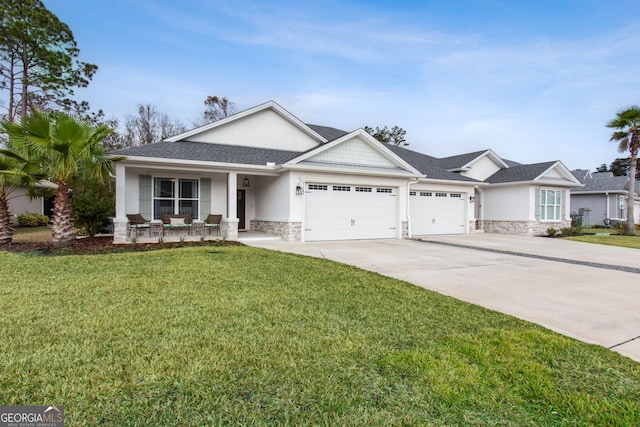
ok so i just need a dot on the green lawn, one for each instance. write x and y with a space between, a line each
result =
612 240
242 336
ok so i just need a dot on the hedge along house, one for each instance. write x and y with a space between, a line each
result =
264 169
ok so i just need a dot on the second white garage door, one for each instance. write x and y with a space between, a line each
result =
348 212
436 213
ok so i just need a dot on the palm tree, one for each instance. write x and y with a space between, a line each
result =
627 123
68 150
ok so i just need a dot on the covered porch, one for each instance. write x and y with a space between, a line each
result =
175 202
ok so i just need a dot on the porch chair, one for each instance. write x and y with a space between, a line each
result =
137 222
213 222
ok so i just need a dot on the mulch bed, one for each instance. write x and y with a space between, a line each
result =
103 244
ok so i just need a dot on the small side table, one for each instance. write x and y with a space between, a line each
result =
156 228
197 228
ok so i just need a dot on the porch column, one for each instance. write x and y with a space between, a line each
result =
120 222
230 223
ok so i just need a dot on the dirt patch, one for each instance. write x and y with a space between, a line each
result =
103 244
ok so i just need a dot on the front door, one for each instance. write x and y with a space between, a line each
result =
241 209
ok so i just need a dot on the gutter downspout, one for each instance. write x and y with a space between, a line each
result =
606 215
481 206
409 206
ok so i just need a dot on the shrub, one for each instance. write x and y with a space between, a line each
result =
92 208
572 231
31 219
620 226
552 232
576 220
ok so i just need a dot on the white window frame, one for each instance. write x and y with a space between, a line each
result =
176 195
555 206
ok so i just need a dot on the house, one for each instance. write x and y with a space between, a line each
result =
264 169
20 202
602 198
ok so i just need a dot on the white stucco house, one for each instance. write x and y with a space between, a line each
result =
264 169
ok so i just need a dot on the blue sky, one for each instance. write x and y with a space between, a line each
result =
532 80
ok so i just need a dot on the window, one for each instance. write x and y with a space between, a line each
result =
175 196
441 194
341 188
426 193
412 193
363 189
384 190
456 195
550 205
317 187
621 203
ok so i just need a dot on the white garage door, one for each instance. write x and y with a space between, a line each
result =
436 212
347 212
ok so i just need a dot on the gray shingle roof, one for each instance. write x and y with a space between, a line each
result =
185 150
328 133
428 165
618 184
580 174
519 173
456 162
432 167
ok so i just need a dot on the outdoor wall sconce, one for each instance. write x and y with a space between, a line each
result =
299 189
245 182
472 199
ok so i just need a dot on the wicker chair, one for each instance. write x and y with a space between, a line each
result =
213 222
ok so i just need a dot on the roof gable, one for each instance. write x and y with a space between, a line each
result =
357 149
551 173
265 126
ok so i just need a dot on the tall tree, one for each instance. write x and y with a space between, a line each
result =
39 66
216 108
149 125
68 150
622 167
627 135
393 136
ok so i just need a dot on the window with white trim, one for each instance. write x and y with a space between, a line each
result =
175 196
384 190
341 188
621 204
363 189
550 205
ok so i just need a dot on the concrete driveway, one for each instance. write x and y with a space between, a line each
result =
577 289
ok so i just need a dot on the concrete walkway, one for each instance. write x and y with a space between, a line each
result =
578 289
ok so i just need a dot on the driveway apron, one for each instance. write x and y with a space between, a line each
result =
585 291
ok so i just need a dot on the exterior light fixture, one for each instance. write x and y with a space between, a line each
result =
472 199
299 189
245 182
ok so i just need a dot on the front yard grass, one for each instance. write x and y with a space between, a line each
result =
612 240
32 234
243 336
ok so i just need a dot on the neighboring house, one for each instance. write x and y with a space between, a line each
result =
602 198
264 169
20 202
